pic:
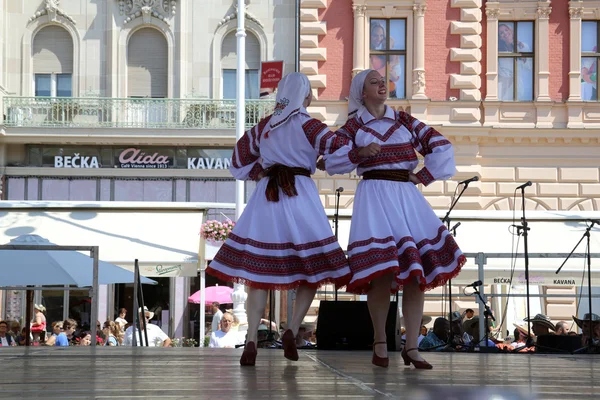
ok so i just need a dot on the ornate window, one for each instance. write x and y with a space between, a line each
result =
590 56
389 36
52 55
387 53
229 65
515 61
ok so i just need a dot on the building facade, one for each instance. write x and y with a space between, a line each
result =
512 83
130 100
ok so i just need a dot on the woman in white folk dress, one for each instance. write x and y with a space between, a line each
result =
283 239
396 240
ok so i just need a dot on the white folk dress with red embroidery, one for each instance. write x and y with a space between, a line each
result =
288 243
393 227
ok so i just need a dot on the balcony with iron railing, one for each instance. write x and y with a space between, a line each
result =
105 112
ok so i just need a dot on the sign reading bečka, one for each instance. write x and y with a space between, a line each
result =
271 73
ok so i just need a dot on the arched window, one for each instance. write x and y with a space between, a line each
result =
147 64
53 62
229 65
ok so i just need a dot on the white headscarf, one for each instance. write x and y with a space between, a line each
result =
291 92
355 101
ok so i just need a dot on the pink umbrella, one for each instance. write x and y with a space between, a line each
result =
220 294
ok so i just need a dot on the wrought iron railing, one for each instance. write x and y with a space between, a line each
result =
105 112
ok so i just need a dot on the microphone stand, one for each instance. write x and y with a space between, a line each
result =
336 218
586 234
487 313
447 221
523 229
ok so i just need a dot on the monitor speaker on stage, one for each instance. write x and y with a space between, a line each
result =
346 325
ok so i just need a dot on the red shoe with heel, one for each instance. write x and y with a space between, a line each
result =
418 364
382 362
289 345
249 355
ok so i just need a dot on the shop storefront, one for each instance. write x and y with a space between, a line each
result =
126 173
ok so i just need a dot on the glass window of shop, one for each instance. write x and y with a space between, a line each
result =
195 309
156 298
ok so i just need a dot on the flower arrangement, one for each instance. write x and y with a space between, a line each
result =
216 230
184 342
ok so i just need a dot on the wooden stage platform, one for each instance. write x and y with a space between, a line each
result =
193 373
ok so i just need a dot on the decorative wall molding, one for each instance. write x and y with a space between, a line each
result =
234 13
53 10
146 9
310 53
468 81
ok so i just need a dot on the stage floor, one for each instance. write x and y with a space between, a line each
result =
178 373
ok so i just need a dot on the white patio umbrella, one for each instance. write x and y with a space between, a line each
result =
56 267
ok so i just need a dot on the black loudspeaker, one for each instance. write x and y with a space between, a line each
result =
558 344
346 325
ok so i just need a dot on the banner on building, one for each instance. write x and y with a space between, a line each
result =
271 72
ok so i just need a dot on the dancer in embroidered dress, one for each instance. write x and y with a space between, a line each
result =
396 240
283 239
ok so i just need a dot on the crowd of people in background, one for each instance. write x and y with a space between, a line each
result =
538 334
70 333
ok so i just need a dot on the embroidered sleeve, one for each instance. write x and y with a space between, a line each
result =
245 162
435 148
321 138
343 156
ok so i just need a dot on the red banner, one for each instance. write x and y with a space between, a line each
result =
271 73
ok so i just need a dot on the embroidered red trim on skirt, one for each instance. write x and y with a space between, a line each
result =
429 261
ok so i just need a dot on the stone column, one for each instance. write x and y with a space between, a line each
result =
239 297
575 52
492 53
418 71
543 49
359 38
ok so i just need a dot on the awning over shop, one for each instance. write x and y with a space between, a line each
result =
164 237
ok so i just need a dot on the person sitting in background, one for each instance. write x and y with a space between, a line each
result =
156 336
121 318
262 337
57 327
111 331
437 338
224 337
587 331
541 325
217 316
460 337
38 324
62 339
519 339
562 328
85 339
471 327
469 313
21 338
5 338
15 329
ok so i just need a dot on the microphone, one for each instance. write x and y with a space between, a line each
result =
339 190
523 186
467 181
474 285
594 221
